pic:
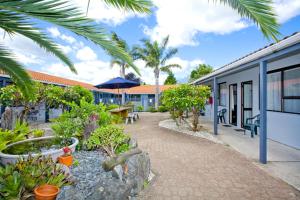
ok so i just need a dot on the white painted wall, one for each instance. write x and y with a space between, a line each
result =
282 127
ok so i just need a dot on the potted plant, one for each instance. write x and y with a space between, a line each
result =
46 192
66 158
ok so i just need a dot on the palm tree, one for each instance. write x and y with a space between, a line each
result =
155 56
23 17
123 64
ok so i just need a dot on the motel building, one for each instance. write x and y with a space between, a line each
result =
264 83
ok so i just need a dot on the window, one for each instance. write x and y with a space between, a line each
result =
291 88
222 94
135 97
274 91
283 90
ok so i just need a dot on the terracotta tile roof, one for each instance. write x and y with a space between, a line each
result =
46 78
142 89
50 79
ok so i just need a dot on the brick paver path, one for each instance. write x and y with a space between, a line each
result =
193 168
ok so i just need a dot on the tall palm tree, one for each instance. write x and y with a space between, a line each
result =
123 64
23 17
155 56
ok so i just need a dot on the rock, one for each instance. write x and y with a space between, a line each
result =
93 183
138 171
118 172
133 143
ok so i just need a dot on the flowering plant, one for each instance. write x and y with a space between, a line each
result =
67 151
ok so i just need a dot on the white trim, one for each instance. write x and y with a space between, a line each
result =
294 39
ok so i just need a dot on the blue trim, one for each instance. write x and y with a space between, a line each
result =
215 106
263 112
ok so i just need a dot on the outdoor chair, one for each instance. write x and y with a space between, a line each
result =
221 115
252 123
130 118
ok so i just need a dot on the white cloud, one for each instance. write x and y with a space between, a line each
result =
57 34
25 50
86 54
67 38
93 72
53 31
182 73
286 9
183 20
100 12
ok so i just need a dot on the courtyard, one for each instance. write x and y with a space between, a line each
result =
188 167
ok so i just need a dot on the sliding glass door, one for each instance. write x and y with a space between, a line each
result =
233 104
246 103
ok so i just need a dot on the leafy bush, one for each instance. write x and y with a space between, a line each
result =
111 106
152 109
73 122
186 98
140 108
38 133
111 139
77 93
20 132
116 119
18 181
162 109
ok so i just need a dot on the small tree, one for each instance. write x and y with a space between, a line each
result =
186 98
200 71
78 93
170 80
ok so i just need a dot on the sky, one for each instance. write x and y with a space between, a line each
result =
203 32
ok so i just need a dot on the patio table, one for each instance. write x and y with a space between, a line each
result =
122 111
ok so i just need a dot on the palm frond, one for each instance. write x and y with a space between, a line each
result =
15 71
115 62
258 11
61 13
171 52
13 23
142 6
164 44
167 68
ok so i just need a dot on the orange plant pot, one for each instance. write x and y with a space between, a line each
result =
66 160
46 192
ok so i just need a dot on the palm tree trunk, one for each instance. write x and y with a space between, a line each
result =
156 74
122 74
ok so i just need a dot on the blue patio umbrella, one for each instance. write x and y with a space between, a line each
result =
117 83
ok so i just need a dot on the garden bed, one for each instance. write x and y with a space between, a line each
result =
93 183
184 128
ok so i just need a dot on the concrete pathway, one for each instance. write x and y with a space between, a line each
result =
188 167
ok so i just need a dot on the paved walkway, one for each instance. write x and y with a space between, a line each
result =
188 167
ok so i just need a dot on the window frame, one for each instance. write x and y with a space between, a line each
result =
283 97
219 94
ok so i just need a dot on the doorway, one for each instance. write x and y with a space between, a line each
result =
246 102
233 104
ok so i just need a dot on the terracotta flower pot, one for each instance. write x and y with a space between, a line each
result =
66 160
46 192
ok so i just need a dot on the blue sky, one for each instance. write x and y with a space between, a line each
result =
203 33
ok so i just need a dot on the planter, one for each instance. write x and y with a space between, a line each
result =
6 158
66 160
46 192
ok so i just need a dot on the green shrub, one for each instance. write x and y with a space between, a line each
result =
18 181
110 138
152 109
140 108
162 108
38 133
116 119
20 132
111 106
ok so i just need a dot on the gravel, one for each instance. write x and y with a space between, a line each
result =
92 182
